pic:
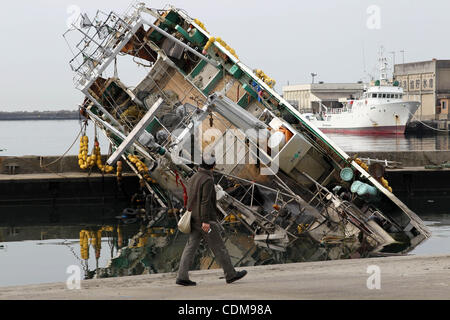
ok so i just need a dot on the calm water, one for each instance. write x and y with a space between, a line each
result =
30 262
46 261
54 137
439 243
43 137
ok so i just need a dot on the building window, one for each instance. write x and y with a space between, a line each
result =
425 83
417 84
411 85
404 84
431 83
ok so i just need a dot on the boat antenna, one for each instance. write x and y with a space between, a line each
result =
393 63
364 60
383 65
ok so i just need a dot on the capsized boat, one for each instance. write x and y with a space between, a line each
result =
286 191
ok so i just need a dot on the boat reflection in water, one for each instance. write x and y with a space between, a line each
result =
128 248
132 249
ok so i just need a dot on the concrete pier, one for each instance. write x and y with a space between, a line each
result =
70 197
52 191
406 277
38 164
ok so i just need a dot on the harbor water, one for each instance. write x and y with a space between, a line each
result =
44 137
52 138
43 258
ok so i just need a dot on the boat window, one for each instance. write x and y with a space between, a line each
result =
384 95
400 96
374 95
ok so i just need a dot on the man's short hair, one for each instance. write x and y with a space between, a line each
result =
208 162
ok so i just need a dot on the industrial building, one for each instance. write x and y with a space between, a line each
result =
309 97
429 83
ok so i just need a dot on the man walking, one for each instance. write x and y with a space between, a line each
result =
204 225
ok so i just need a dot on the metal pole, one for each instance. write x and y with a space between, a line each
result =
393 64
181 43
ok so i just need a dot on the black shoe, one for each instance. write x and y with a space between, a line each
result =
185 282
238 276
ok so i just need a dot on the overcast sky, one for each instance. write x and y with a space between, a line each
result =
287 39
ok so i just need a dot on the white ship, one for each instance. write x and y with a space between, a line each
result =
380 110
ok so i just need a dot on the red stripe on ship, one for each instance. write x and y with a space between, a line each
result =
367 130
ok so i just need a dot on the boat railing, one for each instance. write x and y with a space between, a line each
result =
338 110
96 41
387 163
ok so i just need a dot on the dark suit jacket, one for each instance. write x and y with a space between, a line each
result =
202 198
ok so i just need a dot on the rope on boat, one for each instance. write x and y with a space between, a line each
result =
64 154
430 127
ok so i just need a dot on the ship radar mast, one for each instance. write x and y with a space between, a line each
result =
383 65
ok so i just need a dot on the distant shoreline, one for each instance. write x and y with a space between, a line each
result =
39 115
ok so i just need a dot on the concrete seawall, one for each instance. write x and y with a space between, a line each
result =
407 277
62 187
38 193
30 199
39 164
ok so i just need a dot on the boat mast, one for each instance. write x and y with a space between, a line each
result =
383 66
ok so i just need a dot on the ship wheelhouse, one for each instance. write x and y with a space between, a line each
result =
386 93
